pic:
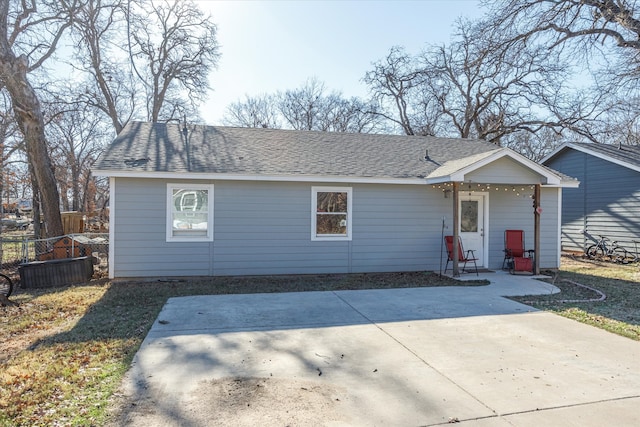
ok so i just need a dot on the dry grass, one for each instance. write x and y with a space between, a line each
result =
618 313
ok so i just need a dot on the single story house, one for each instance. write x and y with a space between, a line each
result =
608 200
192 200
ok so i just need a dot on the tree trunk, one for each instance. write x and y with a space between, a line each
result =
1 193
75 186
35 206
26 107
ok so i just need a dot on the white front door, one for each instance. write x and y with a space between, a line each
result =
472 225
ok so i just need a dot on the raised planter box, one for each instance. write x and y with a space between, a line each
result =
57 272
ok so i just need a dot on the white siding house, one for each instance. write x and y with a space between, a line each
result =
203 201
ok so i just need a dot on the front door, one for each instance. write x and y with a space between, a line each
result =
472 225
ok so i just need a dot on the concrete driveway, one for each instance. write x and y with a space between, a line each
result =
402 357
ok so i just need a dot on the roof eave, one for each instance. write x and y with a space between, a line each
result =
569 145
460 178
255 177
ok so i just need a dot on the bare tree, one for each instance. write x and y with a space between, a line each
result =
77 137
110 86
592 23
29 34
141 55
476 88
395 83
172 46
486 92
8 131
10 137
259 111
304 108
309 107
535 145
620 120
352 115
601 37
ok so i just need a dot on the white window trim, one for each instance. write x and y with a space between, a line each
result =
314 208
169 220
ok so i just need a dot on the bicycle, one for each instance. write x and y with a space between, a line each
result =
605 251
6 286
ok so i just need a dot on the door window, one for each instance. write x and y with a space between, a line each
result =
469 216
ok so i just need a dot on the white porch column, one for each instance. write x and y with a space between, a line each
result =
456 233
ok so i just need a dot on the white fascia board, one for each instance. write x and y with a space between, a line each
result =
456 178
237 177
592 153
439 179
565 184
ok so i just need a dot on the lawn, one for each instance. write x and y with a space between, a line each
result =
64 351
618 313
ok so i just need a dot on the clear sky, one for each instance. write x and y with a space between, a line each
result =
268 46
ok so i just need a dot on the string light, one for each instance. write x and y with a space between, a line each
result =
518 191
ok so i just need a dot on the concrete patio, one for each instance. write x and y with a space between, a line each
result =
401 357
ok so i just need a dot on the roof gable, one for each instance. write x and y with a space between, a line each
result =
626 155
495 167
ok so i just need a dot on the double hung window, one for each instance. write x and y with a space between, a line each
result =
331 213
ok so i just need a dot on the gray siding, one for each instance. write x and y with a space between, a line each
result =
503 171
140 240
396 228
509 212
607 202
265 228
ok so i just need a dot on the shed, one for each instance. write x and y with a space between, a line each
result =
73 222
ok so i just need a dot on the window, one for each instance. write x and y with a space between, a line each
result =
189 212
331 213
469 216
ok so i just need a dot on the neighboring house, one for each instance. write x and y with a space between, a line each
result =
204 200
608 200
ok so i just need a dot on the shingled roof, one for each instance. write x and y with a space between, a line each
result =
156 149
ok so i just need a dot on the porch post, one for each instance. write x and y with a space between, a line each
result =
455 254
536 229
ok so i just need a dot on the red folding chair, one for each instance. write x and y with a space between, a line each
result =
463 257
516 257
